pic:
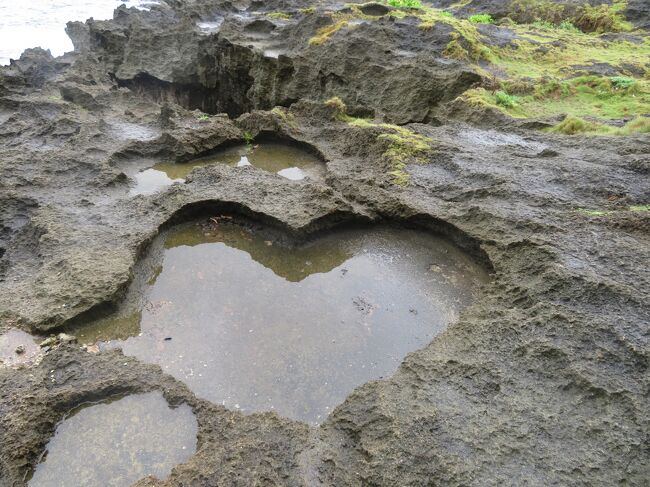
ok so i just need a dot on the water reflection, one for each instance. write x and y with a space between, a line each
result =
253 324
287 161
152 180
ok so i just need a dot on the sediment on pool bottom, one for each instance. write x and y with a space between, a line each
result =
249 320
117 442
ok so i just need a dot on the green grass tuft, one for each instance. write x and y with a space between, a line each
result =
286 116
504 99
404 145
481 19
339 107
543 24
342 20
622 82
405 3
601 97
575 125
568 26
565 25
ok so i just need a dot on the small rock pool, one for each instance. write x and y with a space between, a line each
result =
18 348
286 160
248 320
116 443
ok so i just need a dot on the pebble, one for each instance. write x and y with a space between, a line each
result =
65 338
48 342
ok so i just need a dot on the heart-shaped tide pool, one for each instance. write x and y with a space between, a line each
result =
251 323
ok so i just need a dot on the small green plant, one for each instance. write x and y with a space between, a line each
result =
574 125
543 24
504 99
444 13
568 26
481 19
565 25
202 117
622 82
339 107
285 116
248 138
403 145
405 3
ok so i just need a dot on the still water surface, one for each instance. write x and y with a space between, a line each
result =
285 160
253 324
115 444
18 348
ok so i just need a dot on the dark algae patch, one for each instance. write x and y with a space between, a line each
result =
251 323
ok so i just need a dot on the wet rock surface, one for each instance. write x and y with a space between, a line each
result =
544 380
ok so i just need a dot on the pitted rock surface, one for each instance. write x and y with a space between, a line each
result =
543 381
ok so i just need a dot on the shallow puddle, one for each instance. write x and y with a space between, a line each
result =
131 131
18 348
255 325
117 443
210 27
286 160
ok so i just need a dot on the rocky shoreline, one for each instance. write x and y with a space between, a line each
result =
543 381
